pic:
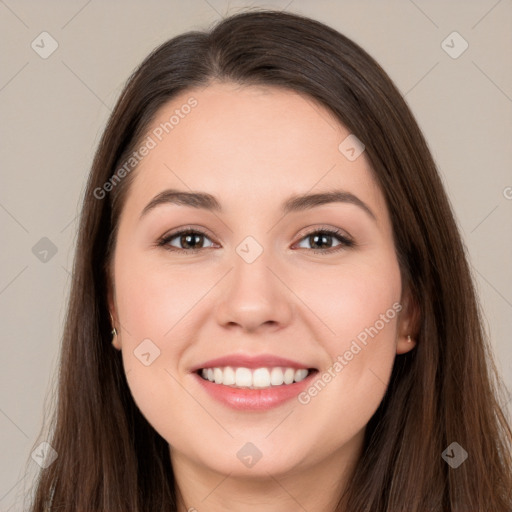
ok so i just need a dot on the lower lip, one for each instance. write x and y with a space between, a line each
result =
254 399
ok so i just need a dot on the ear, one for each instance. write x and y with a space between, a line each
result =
408 323
116 340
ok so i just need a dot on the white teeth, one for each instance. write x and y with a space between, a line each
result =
289 374
276 377
217 375
300 374
261 378
228 376
243 377
255 379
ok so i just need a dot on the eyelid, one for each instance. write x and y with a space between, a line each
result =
322 228
187 228
346 240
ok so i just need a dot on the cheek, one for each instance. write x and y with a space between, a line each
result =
361 307
154 298
352 297
158 305
152 303
160 397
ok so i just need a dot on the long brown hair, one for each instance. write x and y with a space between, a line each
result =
445 390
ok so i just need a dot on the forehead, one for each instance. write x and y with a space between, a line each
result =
248 144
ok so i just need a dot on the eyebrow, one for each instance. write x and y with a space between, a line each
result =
202 200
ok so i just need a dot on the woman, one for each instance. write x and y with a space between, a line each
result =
271 306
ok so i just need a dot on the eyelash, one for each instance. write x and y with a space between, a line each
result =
346 242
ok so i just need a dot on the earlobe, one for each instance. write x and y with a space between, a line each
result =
405 344
116 342
115 335
407 325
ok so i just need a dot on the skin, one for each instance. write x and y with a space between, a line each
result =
252 148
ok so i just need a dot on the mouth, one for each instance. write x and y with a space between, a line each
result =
253 389
252 382
254 378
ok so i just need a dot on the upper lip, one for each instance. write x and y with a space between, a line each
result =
248 361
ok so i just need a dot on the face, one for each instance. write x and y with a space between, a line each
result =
275 285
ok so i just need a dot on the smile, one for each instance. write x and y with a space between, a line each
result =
259 378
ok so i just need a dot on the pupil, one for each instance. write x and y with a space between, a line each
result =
317 240
323 238
185 239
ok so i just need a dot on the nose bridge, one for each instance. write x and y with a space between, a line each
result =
253 296
252 279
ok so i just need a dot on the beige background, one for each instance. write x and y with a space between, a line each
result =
53 111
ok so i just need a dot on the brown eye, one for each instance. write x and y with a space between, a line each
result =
321 241
187 240
324 238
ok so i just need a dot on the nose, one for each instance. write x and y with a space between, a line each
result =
254 296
